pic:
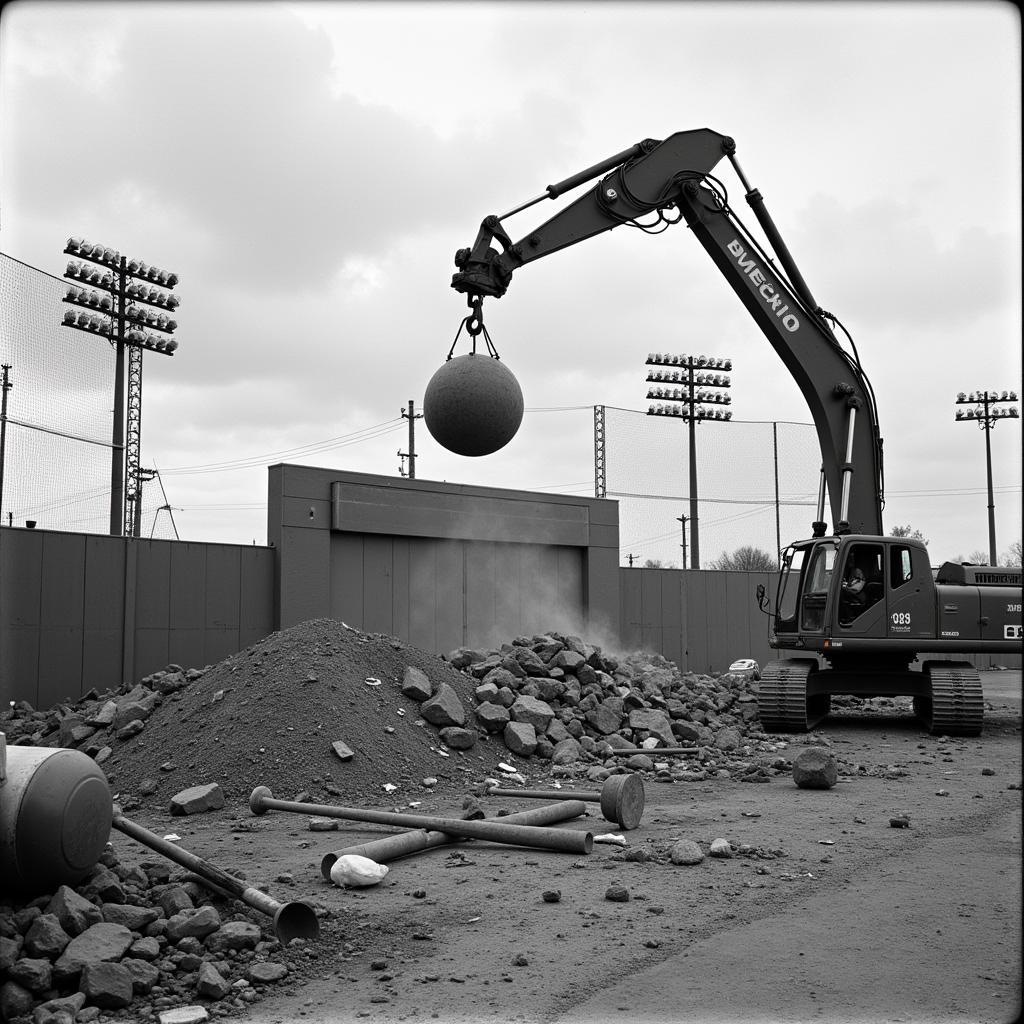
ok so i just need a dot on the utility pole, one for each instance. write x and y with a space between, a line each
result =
5 386
682 521
412 416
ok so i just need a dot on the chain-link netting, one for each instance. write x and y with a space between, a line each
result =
57 452
647 470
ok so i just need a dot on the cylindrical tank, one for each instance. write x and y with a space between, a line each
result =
55 815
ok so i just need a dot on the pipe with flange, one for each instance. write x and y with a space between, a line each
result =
391 848
262 800
294 920
621 797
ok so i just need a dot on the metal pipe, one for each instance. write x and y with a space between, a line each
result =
844 506
621 797
391 848
293 920
262 800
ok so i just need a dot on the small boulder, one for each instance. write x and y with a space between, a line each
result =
815 768
686 851
457 738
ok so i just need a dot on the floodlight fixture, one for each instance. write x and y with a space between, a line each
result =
986 409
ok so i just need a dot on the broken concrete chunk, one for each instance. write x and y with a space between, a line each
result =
342 751
416 685
444 708
197 799
520 738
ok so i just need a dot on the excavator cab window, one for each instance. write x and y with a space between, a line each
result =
789 589
817 581
862 584
901 567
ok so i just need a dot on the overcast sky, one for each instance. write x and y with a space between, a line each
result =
310 169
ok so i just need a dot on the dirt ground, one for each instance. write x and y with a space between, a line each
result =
832 914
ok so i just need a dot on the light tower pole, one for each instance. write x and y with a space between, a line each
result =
694 374
986 409
118 298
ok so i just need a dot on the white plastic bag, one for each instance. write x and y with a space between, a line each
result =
351 869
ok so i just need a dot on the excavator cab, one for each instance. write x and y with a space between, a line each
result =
837 594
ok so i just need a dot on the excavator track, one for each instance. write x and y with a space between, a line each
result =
954 706
782 701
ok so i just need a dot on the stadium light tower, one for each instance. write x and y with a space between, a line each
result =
684 380
986 409
121 299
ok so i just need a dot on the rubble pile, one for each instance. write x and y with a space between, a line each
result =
137 941
556 698
329 713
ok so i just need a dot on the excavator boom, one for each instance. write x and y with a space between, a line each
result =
672 180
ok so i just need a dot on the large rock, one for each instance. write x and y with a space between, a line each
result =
210 983
234 935
444 708
46 938
520 738
74 912
566 751
416 684
815 768
107 985
196 923
132 917
492 717
530 661
529 709
198 799
101 942
570 661
657 723
604 719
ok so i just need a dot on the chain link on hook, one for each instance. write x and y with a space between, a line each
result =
474 326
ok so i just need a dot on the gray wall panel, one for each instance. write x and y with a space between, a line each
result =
152 585
378 578
346 580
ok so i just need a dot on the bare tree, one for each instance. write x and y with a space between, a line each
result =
746 559
657 563
1012 555
907 531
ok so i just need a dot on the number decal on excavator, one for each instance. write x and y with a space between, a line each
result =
1013 633
901 618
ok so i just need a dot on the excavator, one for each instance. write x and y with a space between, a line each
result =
856 612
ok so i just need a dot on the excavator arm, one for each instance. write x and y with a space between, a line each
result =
672 181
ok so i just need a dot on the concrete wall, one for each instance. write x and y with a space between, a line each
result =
439 564
79 611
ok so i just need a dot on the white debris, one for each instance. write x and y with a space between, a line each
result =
611 837
351 869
